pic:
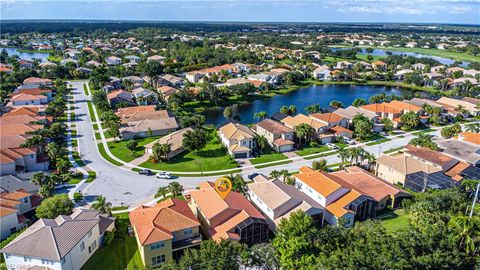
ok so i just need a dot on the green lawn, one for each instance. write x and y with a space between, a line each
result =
74 143
91 176
98 136
101 149
274 164
90 111
213 157
95 126
268 158
394 221
85 90
425 131
78 160
321 155
393 150
120 150
121 254
312 150
378 141
76 178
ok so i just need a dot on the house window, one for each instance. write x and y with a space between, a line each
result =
62 260
27 259
158 260
25 200
188 232
157 245
82 246
89 234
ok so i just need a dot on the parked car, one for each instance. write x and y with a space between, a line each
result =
348 140
331 146
383 133
145 172
253 175
164 175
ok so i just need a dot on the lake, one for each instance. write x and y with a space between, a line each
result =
381 52
321 94
27 55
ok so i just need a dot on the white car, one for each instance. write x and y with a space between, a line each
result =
164 175
331 146
348 141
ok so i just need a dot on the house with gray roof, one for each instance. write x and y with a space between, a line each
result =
66 242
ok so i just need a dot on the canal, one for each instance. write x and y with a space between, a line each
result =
27 55
321 94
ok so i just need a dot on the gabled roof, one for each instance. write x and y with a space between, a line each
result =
327 117
381 108
274 127
318 181
444 161
159 222
236 131
298 119
404 106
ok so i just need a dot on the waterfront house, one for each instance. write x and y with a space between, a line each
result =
379 65
238 139
320 127
385 110
146 123
350 112
66 242
277 201
164 231
280 137
233 217
455 103
322 73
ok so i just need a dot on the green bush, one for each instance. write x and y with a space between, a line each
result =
78 196
109 236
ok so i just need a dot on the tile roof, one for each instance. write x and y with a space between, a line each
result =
159 222
298 119
274 127
470 137
319 181
446 162
381 108
339 207
404 106
327 117
135 109
236 131
25 97
54 238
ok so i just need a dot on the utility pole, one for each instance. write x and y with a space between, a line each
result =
475 199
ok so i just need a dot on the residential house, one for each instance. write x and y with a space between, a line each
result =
277 201
385 110
451 102
133 58
174 139
157 58
400 75
13 205
113 61
280 137
379 65
344 65
34 82
144 124
167 91
343 204
238 139
14 159
23 99
419 66
133 80
322 73
144 96
35 91
170 80
350 112
26 63
319 127
120 96
164 230
464 148
66 242
194 76
335 124
420 169
233 217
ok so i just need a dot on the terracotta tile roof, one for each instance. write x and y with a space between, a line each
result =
19 129
298 119
159 222
327 117
5 211
24 97
9 155
236 131
20 119
455 171
319 181
13 141
446 162
367 184
23 111
470 137
274 127
339 129
280 142
35 80
339 207
135 109
34 91
381 108
16 195
400 105
379 63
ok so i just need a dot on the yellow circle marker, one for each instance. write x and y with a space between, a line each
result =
223 186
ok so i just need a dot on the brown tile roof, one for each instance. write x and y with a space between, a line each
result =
20 119
455 171
274 127
13 141
5 211
339 207
236 131
33 91
24 97
298 119
35 80
367 184
339 129
281 142
327 117
159 222
446 162
9 155
470 137
23 111
135 109
19 129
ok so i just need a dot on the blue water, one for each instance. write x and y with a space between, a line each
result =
321 94
381 52
27 55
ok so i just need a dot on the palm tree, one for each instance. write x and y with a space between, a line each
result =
343 155
102 205
62 165
284 173
275 174
38 178
371 160
260 115
53 151
468 229
35 141
475 128
161 192
355 154
304 133
313 108
175 188
238 184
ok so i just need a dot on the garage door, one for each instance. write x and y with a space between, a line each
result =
241 155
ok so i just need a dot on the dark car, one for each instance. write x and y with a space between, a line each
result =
145 172
253 175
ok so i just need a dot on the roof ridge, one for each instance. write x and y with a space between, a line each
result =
54 240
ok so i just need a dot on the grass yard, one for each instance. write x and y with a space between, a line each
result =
76 178
85 90
90 111
393 150
425 131
394 221
273 164
104 154
211 158
268 158
91 176
78 160
98 136
309 150
95 126
321 155
121 254
120 150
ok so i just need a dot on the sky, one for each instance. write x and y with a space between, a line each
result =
403 11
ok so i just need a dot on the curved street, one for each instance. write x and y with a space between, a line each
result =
122 186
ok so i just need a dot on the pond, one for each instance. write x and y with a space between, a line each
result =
27 55
321 94
381 52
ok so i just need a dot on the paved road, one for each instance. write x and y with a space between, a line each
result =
122 186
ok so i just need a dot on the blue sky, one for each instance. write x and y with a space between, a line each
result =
417 11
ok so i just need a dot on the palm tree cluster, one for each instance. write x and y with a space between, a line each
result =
46 183
286 177
102 205
173 187
424 140
357 156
